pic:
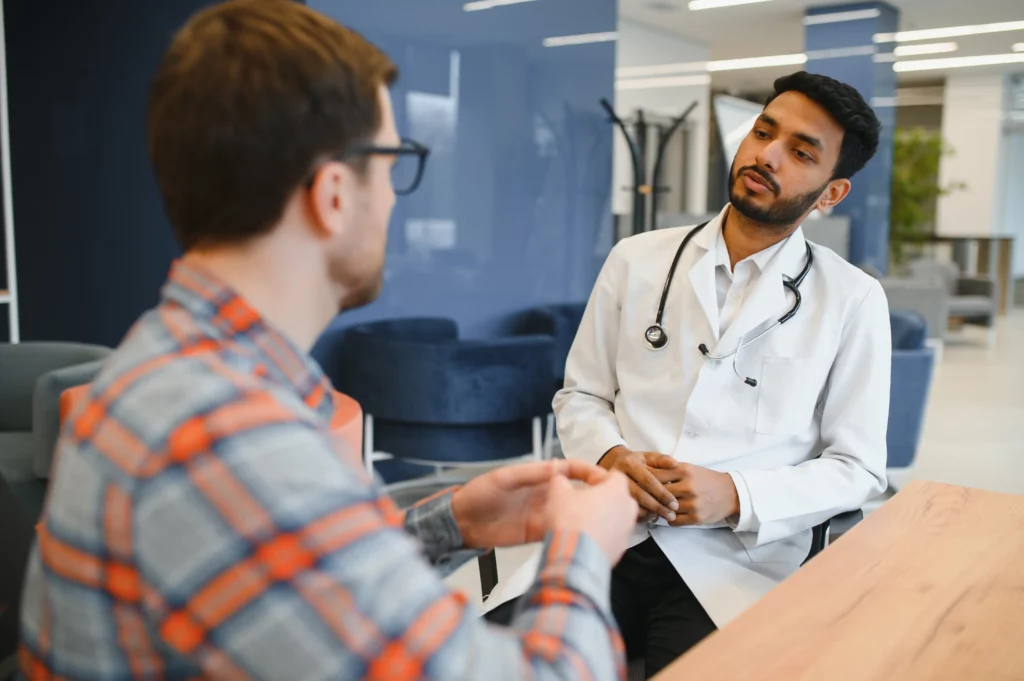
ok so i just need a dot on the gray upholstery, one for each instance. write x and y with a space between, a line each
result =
32 377
46 408
974 300
17 456
931 301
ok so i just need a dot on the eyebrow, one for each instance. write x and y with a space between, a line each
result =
813 141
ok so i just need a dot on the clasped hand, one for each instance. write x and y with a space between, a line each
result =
681 493
516 505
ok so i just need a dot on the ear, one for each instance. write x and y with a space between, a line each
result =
326 199
833 195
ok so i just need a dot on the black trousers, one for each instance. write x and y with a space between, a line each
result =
658 615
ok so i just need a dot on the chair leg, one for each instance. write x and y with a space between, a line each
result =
488 564
538 438
368 444
549 438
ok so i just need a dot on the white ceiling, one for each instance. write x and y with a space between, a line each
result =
775 27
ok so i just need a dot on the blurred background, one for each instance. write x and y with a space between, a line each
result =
531 182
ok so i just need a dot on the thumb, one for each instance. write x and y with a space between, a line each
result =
560 485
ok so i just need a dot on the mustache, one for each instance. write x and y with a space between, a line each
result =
763 174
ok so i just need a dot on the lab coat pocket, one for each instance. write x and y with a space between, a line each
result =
787 397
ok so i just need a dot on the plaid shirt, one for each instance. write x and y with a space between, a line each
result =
203 523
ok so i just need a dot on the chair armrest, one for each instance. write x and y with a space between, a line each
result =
46 408
976 286
844 522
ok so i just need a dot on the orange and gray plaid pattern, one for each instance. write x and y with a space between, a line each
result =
202 523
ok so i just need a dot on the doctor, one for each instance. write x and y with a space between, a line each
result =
738 433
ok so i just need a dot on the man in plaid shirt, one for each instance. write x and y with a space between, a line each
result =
202 522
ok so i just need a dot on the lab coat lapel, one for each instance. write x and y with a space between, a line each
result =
702 274
769 299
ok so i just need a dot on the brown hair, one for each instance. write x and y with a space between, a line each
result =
250 94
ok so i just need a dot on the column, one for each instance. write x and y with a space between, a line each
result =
840 41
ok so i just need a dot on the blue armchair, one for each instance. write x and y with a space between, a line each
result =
561 322
433 401
912 367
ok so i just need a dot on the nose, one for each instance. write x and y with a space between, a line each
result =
770 156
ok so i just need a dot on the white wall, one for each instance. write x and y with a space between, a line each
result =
1012 188
640 45
972 124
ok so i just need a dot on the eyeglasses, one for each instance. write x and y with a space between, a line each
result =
407 171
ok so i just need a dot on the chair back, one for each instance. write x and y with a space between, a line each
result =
561 322
909 329
936 272
21 367
436 398
913 365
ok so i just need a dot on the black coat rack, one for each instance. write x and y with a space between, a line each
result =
638 154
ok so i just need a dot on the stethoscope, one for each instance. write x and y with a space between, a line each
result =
657 338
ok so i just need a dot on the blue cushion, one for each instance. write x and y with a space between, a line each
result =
435 397
561 322
909 329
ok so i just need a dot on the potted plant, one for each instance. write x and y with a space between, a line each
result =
915 188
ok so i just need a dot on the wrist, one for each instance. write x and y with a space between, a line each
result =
464 521
732 494
609 458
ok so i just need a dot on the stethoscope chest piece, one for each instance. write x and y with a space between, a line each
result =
655 337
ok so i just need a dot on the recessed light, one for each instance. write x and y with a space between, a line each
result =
926 48
581 39
490 4
948 32
957 62
715 4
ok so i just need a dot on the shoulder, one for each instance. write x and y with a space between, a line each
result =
644 249
841 276
847 286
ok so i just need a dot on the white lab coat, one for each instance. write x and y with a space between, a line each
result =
804 445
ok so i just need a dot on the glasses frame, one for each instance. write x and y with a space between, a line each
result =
408 147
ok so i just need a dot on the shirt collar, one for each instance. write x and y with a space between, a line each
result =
760 259
225 315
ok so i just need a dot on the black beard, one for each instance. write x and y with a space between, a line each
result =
780 215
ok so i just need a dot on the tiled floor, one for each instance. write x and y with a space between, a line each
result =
974 428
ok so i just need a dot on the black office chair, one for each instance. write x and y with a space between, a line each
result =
16 534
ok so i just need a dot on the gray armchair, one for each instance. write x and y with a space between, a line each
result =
973 300
32 378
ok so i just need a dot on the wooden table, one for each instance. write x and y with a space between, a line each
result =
930 586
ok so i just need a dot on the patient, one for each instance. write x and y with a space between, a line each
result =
202 522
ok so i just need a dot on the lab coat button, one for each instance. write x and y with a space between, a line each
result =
692 435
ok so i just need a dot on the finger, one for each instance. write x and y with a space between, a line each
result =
681 490
666 476
643 477
575 469
655 460
648 503
527 474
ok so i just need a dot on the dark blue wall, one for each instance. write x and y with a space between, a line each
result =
92 242
514 209
846 51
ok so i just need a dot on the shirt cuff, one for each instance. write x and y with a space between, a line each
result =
573 561
433 523
745 521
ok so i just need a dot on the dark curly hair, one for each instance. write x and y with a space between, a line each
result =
845 104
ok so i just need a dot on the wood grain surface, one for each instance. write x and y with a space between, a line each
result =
930 586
